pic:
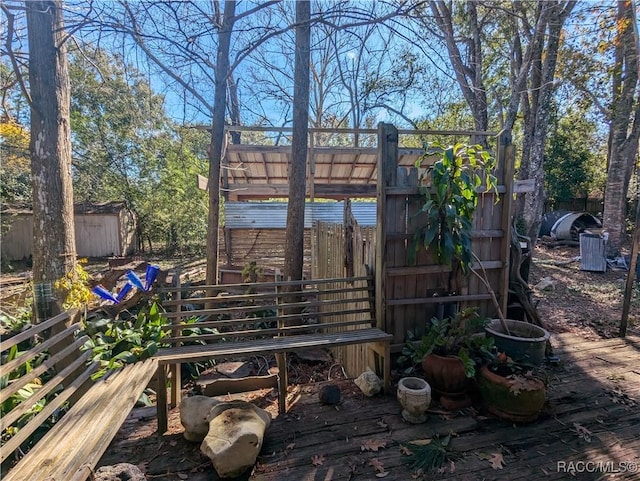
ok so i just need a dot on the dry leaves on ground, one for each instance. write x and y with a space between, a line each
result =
582 432
405 450
497 461
373 445
379 467
318 460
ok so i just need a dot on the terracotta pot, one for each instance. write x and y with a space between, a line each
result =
446 375
501 401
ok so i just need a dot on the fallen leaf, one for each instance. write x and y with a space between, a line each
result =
382 424
497 461
405 450
289 447
317 460
377 465
420 442
382 475
373 445
183 476
582 432
417 474
173 443
452 467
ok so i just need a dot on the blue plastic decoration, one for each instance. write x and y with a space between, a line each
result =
124 291
135 280
100 291
150 276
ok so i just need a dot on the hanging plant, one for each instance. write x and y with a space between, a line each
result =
453 184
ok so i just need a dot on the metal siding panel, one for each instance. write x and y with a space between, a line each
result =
273 215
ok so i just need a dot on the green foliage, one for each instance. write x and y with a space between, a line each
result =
126 149
458 336
573 169
116 342
19 320
450 201
24 393
429 454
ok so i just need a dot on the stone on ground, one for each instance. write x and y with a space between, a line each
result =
119 472
369 383
236 432
194 412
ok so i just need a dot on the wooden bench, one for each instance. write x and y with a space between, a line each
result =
293 316
73 446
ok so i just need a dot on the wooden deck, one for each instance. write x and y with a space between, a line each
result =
593 416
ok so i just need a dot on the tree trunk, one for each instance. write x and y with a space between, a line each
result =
623 137
217 138
54 246
294 243
537 119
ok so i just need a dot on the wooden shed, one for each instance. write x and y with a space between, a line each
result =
102 229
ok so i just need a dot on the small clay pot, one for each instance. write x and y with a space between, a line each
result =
414 395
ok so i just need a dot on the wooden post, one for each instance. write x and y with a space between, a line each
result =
626 303
505 161
176 371
281 361
161 400
387 173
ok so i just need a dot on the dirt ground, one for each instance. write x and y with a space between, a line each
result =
586 303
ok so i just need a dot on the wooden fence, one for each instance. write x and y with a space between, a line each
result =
263 246
345 250
409 295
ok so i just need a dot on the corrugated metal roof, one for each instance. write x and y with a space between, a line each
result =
273 215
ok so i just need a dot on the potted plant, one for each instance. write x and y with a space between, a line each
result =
451 195
449 353
450 190
512 391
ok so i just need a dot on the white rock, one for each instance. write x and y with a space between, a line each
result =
369 383
545 283
194 412
236 432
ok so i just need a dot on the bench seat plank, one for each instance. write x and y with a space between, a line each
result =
380 341
75 444
270 345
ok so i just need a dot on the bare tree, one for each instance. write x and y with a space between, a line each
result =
624 129
294 242
536 108
534 51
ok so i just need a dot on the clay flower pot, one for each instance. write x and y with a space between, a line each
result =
510 398
447 378
445 374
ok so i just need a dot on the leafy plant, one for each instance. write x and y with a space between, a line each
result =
429 454
75 285
457 336
450 200
23 394
117 342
